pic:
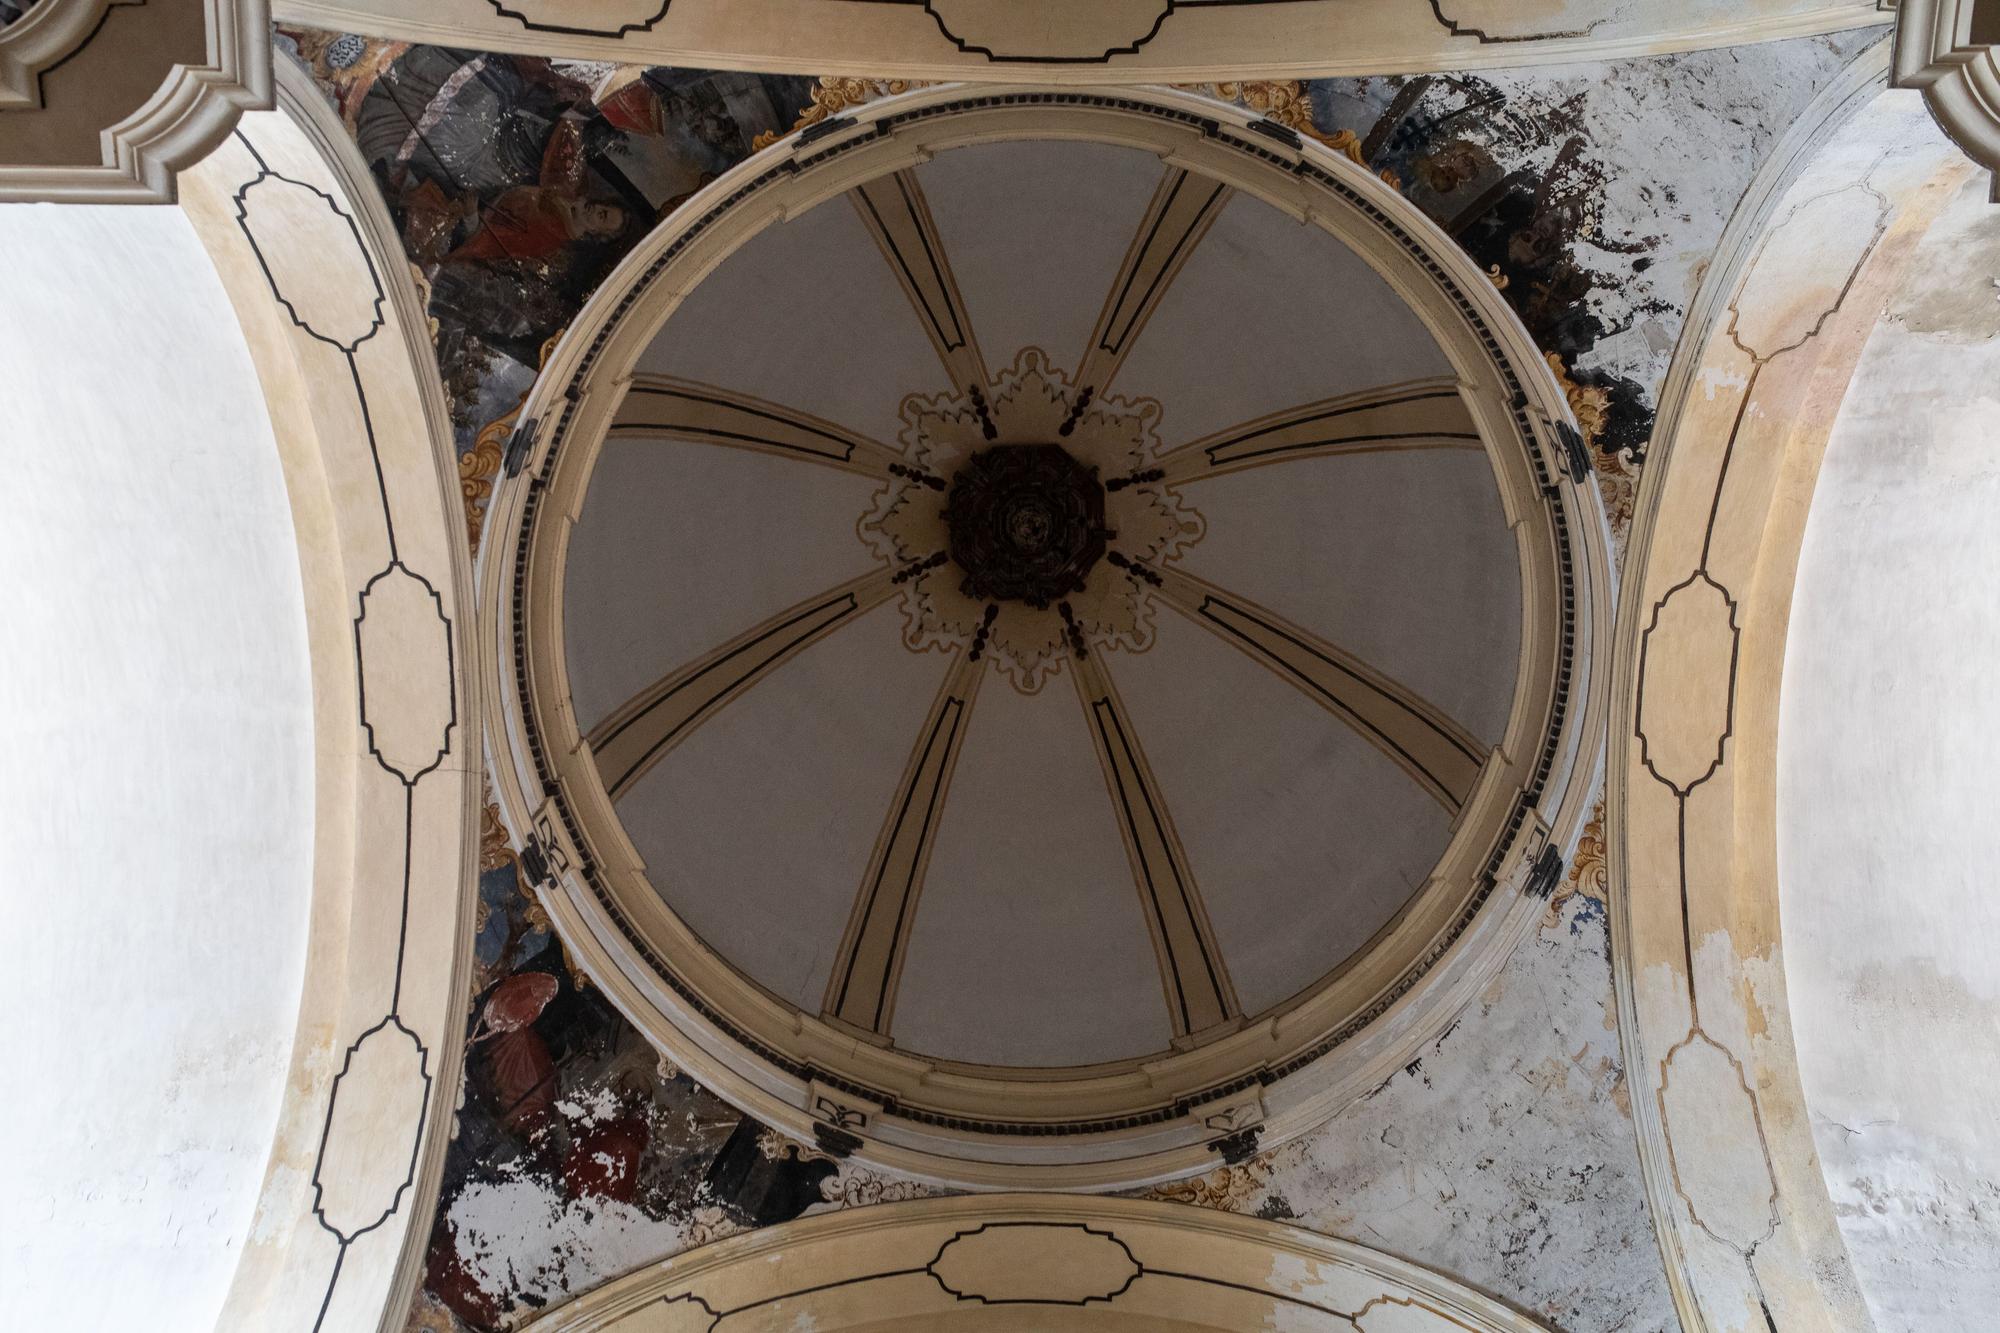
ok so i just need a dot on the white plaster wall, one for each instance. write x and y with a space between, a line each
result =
1888 765
155 799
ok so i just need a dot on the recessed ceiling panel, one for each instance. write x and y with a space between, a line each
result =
1030 864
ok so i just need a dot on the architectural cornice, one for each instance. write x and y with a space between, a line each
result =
65 139
1947 49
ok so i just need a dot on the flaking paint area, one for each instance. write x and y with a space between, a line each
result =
1504 1154
1596 192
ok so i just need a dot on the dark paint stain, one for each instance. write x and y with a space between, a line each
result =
1462 151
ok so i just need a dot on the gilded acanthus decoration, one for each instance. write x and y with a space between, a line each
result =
1229 1188
494 848
1617 474
1589 876
1289 103
479 466
830 97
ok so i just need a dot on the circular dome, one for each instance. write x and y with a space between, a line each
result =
1041 622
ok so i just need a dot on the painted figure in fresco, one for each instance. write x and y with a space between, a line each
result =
535 222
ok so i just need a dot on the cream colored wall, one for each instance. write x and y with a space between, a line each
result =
1104 41
157 800
1886 774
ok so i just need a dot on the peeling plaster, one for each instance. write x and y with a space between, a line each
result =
1504 1154
1598 190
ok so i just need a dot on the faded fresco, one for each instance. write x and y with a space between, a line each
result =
1504 1154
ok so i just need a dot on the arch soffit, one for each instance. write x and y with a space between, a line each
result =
311 264
1051 1261
1776 332
1110 41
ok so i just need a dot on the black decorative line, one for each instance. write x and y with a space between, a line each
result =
1209 600
1728 457
243 221
937 268
343 1239
614 34
1261 1292
1687 925
1078 646
361 674
375 458
393 1018
1130 47
950 342
1457 29
1728 721
986 426
1159 273
1133 567
846 447
918 475
1076 411
1141 477
1107 719
714 1315
1288 423
816 1288
920 567
1553 722
1104 57
1383 437
1138 1269
851 605
1639 689
347 349
953 713
979 636
956 707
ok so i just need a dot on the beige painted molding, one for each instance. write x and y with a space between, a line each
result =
311 262
1947 48
1731 1171
1280 1072
1034 1262
1057 41
188 85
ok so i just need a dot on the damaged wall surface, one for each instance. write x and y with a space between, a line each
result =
1885 769
1505 1154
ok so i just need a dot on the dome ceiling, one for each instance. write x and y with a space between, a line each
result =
1042 613
926 556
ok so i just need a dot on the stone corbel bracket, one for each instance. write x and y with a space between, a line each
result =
77 140
1950 49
